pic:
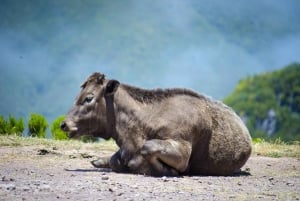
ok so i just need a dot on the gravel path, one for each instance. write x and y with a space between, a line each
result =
34 173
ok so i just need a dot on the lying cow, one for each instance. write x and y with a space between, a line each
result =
159 132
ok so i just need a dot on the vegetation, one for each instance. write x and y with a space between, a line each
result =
276 148
12 125
37 125
270 103
57 133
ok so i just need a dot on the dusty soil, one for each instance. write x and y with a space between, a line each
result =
36 173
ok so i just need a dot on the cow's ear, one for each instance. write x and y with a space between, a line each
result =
84 85
111 87
100 78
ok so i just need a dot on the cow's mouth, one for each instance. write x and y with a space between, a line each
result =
70 128
75 134
72 134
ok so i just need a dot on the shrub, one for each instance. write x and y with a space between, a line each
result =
57 133
12 125
3 125
16 126
37 125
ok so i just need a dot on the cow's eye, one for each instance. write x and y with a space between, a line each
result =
88 99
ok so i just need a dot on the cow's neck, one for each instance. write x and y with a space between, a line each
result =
126 120
110 115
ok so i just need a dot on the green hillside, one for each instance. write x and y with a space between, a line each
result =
270 103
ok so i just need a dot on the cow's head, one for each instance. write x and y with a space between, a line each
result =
88 116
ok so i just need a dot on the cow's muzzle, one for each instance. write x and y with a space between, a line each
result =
68 126
63 126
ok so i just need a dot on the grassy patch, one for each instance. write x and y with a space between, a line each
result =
13 140
276 148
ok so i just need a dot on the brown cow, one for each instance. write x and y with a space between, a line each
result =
159 132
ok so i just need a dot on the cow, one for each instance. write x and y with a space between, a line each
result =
159 132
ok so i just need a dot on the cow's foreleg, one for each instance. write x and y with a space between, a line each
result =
168 157
115 162
102 162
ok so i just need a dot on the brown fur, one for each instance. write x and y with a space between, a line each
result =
160 132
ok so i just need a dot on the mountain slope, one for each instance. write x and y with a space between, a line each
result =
269 103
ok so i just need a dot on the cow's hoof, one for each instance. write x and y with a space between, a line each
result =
136 162
99 163
150 147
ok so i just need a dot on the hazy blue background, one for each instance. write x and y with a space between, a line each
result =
49 47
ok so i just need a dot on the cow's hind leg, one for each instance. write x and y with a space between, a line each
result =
168 157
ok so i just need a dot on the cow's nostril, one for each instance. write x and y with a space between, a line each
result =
63 126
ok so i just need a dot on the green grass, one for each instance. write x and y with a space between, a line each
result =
276 148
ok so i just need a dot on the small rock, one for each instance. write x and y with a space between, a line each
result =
247 169
104 177
43 152
85 155
72 156
271 179
44 188
165 179
4 178
26 188
10 187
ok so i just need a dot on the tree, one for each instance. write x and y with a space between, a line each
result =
37 125
277 91
57 133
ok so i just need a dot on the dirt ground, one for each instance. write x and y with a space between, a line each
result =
36 173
